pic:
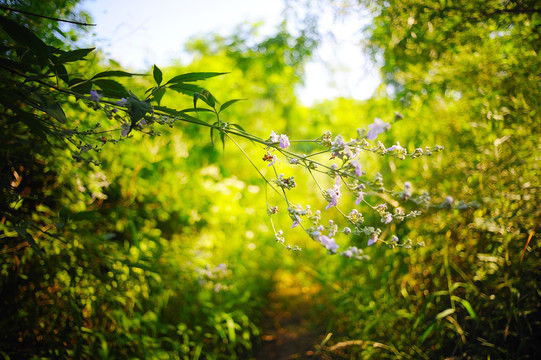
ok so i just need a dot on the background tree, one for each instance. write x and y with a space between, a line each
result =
468 73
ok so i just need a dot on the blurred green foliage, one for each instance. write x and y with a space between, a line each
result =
464 75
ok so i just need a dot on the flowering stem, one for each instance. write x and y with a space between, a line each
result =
251 162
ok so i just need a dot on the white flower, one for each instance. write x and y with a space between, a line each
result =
274 137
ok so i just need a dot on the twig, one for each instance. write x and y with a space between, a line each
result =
45 17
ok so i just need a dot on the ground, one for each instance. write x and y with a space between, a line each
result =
293 324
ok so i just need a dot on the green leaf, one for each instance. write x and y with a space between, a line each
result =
231 329
113 73
84 215
47 105
27 38
228 103
222 137
25 235
444 313
34 125
111 88
466 305
195 97
212 136
195 76
158 76
196 110
158 94
52 108
207 97
74 55
80 86
137 109
188 89
238 127
168 110
16 65
62 73
426 333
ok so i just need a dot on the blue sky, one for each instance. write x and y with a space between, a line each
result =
139 33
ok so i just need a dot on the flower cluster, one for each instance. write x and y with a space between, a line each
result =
282 139
285 183
279 236
342 163
333 194
351 175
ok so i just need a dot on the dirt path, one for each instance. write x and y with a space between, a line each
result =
292 327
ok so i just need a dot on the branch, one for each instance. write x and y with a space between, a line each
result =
45 17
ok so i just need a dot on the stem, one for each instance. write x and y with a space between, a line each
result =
45 17
251 162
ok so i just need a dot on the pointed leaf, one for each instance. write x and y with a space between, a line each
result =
196 110
228 103
222 137
467 306
112 73
62 73
195 97
137 109
207 97
212 136
74 55
47 105
238 127
111 88
27 38
80 86
25 235
52 108
168 111
444 313
188 89
158 76
195 76
158 94
426 333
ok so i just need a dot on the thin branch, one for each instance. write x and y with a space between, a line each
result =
45 17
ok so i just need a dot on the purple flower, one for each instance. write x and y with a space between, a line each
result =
334 194
376 128
372 240
296 221
394 239
329 243
284 141
387 218
396 147
339 148
122 102
360 198
352 250
357 167
95 96
273 160
125 129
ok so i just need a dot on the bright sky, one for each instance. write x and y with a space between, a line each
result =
140 33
